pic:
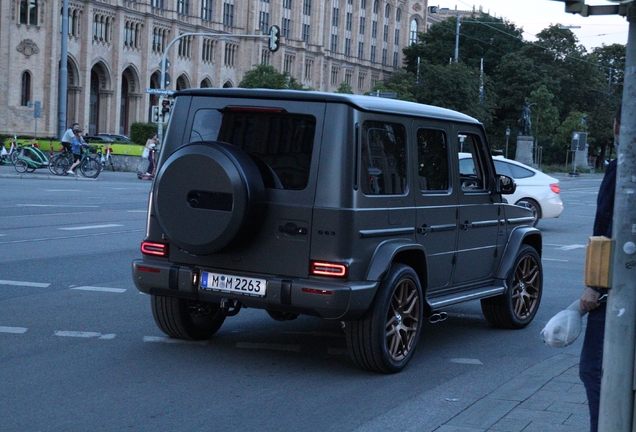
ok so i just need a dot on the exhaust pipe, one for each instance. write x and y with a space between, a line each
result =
230 307
437 317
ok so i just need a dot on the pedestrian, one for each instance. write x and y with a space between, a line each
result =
67 138
591 364
76 148
151 143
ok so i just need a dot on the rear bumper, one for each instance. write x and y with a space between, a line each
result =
324 298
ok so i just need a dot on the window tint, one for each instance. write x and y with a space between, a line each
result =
502 168
383 158
280 143
432 154
473 175
520 172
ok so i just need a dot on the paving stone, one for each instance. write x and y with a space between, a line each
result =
509 425
484 413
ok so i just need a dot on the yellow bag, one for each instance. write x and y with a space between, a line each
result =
598 262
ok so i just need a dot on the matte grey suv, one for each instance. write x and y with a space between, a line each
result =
350 208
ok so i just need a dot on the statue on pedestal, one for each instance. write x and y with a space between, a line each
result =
525 122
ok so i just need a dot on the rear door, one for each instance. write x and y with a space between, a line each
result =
436 201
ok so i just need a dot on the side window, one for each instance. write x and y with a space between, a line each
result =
474 176
383 158
432 154
520 172
503 168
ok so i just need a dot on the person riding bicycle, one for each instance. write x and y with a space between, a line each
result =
67 138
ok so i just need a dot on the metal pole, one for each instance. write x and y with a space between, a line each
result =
63 74
617 386
457 39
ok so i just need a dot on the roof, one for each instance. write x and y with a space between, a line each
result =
364 103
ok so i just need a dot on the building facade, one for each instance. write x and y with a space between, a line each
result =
115 48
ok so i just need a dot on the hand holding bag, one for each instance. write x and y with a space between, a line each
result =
563 328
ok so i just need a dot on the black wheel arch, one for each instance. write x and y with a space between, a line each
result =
518 237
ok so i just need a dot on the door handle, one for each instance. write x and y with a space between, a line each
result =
292 229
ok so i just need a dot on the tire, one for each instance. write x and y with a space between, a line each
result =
532 205
89 167
20 166
14 156
52 163
517 307
384 339
208 196
186 319
30 168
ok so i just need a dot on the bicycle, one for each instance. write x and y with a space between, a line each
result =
61 162
104 152
12 154
89 165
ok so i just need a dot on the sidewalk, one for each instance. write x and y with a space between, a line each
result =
548 396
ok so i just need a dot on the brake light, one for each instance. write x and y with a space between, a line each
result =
555 188
320 268
156 249
149 269
316 291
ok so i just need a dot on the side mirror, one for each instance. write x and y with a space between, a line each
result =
505 185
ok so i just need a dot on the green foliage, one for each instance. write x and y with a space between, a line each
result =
344 88
266 76
140 132
401 82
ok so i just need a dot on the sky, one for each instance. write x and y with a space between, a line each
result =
535 15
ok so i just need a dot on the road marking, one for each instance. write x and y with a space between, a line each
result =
167 340
553 259
57 205
14 330
90 227
61 190
466 361
81 334
268 346
99 289
22 283
137 211
35 240
566 247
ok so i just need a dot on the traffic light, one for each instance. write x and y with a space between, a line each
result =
575 6
274 38
165 110
156 114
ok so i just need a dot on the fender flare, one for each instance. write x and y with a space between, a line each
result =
519 235
387 251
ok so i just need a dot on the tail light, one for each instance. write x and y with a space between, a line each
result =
555 188
321 268
156 249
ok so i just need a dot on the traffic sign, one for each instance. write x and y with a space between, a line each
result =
158 91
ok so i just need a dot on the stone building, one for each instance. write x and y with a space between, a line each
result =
115 47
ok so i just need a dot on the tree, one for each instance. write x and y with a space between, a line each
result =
344 88
401 82
266 76
563 139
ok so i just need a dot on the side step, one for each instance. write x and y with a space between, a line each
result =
437 302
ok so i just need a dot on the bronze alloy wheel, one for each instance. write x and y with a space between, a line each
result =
403 320
526 288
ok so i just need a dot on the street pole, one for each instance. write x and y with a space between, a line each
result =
617 386
63 74
457 39
507 136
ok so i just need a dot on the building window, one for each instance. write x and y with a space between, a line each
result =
307 7
361 50
265 56
309 65
397 36
398 15
102 28
131 34
288 64
228 14
185 47
363 21
306 33
334 43
207 53
385 35
361 78
286 28
363 4
335 18
384 54
158 4
376 4
230 54
29 12
207 10
349 21
374 29
264 22
372 53
183 7
25 95
334 75
159 38
287 4
347 47
387 11
395 59
348 75
413 32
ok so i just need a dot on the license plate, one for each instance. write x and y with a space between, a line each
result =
233 284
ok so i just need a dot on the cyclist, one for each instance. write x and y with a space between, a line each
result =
67 138
76 147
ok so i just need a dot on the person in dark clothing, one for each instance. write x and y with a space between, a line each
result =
591 363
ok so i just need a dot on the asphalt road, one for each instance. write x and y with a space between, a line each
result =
79 349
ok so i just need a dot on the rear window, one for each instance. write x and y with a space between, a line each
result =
280 143
514 171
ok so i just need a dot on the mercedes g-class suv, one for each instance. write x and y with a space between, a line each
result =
349 208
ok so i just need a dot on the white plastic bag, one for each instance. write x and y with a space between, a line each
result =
146 153
563 328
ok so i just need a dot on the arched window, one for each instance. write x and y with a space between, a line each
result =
376 5
29 12
25 95
413 32
398 15
363 4
387 11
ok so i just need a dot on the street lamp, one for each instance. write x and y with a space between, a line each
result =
507 136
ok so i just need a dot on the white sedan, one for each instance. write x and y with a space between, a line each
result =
535 190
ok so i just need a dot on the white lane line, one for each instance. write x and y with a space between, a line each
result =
466 361
57 205
81 334
268 346
90 227
61 190
167 340
554 259
99 289
566 247
22 283
137 211
14 330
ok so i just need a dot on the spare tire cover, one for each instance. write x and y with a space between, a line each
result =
205 194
